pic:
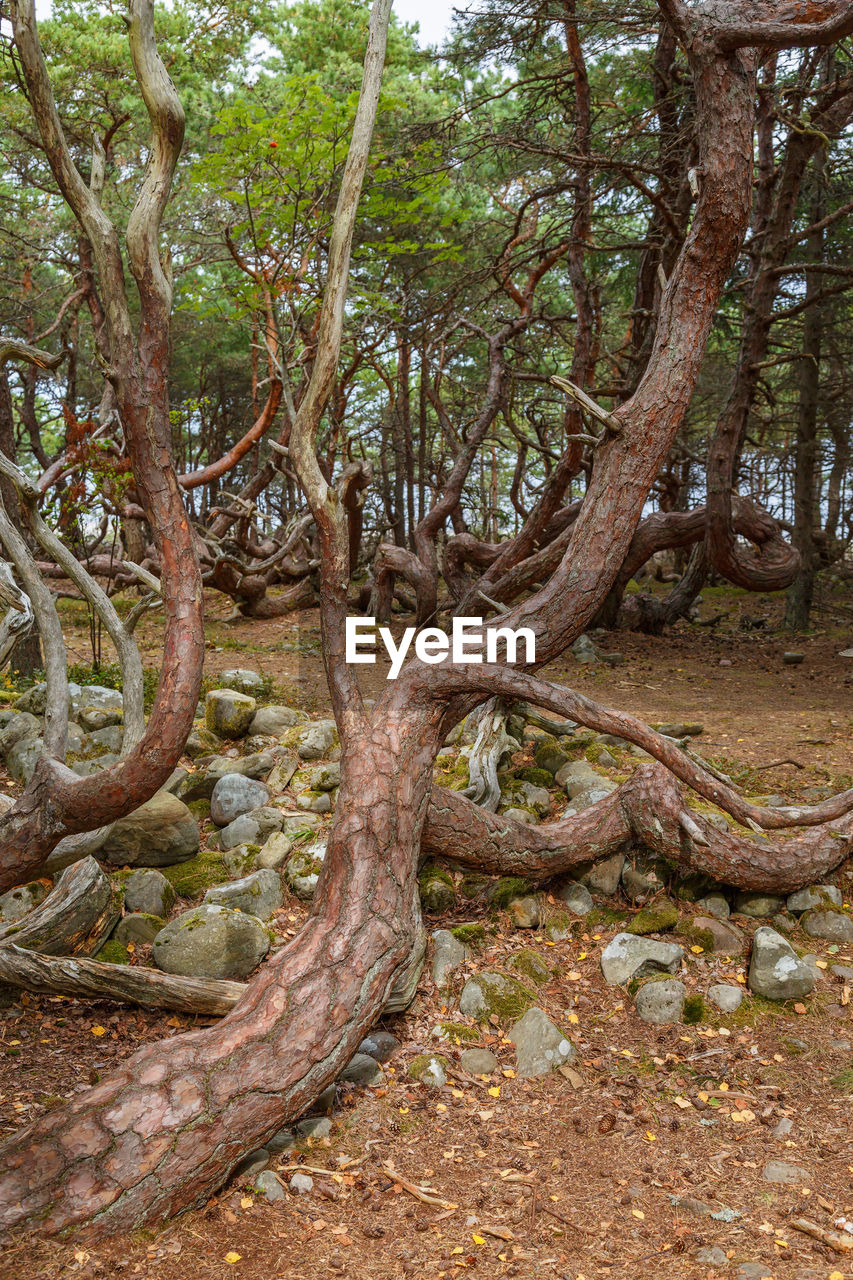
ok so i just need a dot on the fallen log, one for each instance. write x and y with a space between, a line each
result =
93 979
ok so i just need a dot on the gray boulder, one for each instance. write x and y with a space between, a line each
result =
211 941
525 912
834 926
380 1045
21 725
274 720
200 785
590 796
268 1184
448 955
630 956
495 994
228 714
363 1069
23 756
714 904
316 740
604 876
303 869
478 1062
275 851
157 834
575 769
725 996
816 895
327 777
18 902
758 905
242 680
661 1002
95 718
726 938
259 894
138 927
109 738
540 1046
575 897
775 969
147 890
235 795
791 1174
253 827
96 696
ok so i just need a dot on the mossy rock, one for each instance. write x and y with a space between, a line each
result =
495 996
193 878
561 926
539 777
603 917
470 935
200 809
532 965
421 1063
654 919
697 937
113 952
458 1032
472 885
694 1009
436 886
504 890
549 757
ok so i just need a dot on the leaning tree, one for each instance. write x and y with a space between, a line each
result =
166 1128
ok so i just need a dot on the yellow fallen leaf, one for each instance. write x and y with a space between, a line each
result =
574 976
99 1031
404 1111
650 1137
246 1202
683 1103
638 1213
582 956
508 1072
233 1257
822 964
458 1249
697 950
724 1088
495 1091
457 1093
478 1239
440 1106
574 1019
836 1275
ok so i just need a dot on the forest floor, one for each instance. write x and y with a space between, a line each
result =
644 1157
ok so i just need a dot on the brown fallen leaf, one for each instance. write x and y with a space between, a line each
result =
573 1077
501 1233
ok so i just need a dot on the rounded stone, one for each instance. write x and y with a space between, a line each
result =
259 894
147 890
157 834
661 1002
478 1062
725 996
235 795
228 713
211 941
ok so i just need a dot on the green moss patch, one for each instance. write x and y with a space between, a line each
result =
504 890
193 878
470 935
654 919
532 965
113 952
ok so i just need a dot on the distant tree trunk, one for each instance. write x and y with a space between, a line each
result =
798 600
26 658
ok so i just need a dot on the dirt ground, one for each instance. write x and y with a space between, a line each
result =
649 1149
